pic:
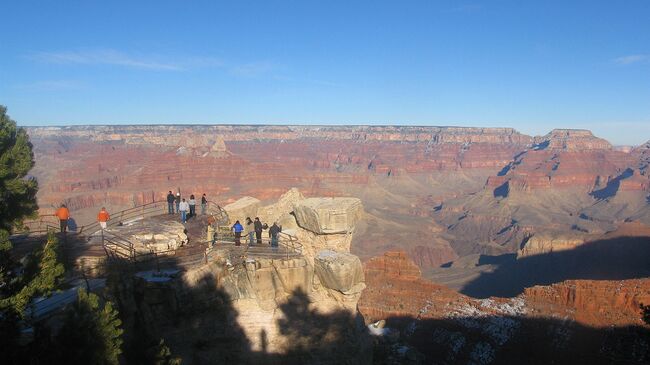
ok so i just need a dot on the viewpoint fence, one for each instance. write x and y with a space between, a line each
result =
118 247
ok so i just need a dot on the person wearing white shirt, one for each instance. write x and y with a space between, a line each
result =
183 207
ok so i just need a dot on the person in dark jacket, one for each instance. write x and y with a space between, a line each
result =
204 204
258 230
192 202
237 228
274 233
178 202
170 203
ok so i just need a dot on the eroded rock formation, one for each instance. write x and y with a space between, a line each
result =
326 276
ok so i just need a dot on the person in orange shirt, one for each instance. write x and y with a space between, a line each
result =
103 217
63 214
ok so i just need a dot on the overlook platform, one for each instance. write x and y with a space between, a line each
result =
136 236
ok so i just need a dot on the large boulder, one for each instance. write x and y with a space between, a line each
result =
339 271
328 215
242 208
280 210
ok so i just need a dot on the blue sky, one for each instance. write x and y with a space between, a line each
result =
531 65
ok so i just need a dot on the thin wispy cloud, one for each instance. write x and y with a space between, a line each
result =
52 85
636 58
107 57
252 69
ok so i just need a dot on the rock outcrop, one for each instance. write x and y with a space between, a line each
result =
339 271
242 208
260 289
547 243
328 215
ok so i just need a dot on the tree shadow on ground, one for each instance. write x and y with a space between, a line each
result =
319 338
199 324
511 340
610 259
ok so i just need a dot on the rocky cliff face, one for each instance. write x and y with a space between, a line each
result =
327 274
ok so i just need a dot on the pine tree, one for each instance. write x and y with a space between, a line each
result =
43 282
163 355
91 333
17 192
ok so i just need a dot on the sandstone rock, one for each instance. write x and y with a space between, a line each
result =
339 271
153 235
242 208
546 243
280 209
219 149
328 215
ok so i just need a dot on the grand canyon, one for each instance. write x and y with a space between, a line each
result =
475 242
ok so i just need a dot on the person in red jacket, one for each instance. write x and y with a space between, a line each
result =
63 214
103 217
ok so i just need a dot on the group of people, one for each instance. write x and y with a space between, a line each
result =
253 230
186 209
63 213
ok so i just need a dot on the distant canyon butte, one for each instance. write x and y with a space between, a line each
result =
441 194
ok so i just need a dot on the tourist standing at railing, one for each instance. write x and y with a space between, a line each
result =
274 232
249 230
237 228
258 230
204 204
192 203
178 202
63 214
103 217
183 207
210 235
170 203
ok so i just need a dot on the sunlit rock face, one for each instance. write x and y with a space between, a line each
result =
328 215
242 208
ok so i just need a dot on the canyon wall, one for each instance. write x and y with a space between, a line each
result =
439 193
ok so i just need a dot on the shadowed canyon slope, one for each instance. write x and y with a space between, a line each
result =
439 193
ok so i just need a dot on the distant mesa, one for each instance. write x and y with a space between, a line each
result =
571 140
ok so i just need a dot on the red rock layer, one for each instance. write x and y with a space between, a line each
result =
548 169
594 303
395 289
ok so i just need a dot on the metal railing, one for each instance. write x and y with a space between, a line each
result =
119 247
45 222
287 244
